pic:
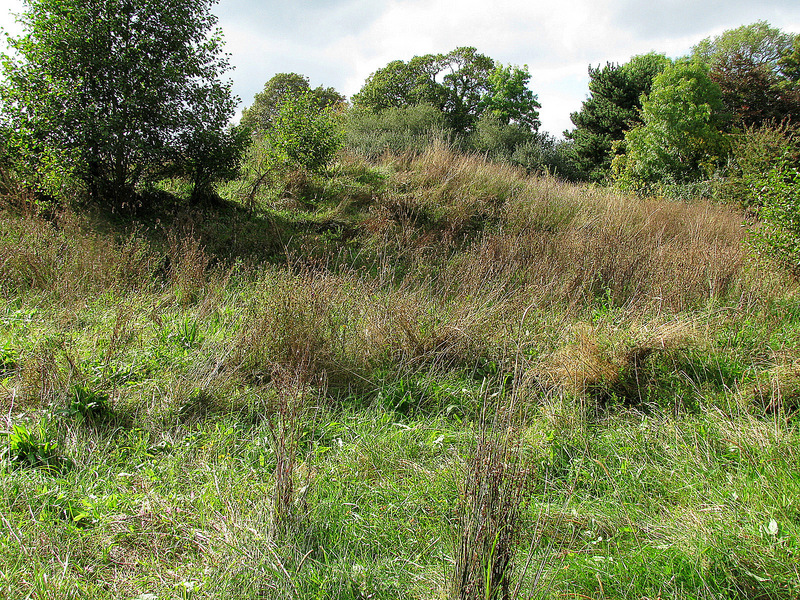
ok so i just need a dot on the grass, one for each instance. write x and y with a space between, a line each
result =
446 379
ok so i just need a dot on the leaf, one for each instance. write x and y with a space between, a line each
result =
772 528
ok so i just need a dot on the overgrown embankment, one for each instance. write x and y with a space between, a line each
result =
339 394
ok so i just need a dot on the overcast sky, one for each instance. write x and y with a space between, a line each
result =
338 43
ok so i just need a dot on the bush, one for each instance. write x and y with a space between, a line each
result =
394 130
754 151
498 140
778 235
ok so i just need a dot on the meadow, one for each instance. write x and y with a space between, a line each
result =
425 376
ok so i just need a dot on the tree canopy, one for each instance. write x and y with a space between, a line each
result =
463 84
260 115
680 138
759 43
114 92
611 109
753 66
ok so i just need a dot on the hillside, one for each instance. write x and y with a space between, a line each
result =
418 377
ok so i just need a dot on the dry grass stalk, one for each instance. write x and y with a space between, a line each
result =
495 485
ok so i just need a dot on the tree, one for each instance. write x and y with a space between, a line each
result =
759 43
304 136
753 65
680 139
462 84
117 92
752 93
400 84
260 115
612 108
509 99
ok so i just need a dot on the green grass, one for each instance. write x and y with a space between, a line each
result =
161 388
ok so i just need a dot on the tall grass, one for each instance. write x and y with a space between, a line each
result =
327 426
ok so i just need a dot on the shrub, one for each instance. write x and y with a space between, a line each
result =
754 151
394 130
778 235
498 140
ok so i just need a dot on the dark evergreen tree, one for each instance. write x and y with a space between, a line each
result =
613 107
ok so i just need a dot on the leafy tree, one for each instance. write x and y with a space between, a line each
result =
466 84
612 108
758 43
752 93
753 67
789 64
260 115
302 139
116 92
680 139
509 98
303 135
400 84
462 84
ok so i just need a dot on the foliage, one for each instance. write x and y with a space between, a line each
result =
260 115
86 403
26 448
304 136
497 138
302 139
115 92
509 98
679 140
753 66
778 194
393 130
754 152
752 93
462 84
789 63
545 154
612 108
758 43
211 156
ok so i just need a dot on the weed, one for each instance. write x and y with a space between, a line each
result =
87 403
27 449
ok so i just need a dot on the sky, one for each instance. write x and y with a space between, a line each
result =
339 43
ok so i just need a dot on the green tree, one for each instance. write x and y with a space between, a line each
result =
759 43
400 84
260 115
115 92
303 139
789 64
462 84
303 135
611 109
680 138
509 99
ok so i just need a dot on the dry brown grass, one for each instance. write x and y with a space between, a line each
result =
61 257
559 241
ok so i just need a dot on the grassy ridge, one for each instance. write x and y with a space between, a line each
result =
344 399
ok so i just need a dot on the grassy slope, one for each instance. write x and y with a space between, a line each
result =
286 404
